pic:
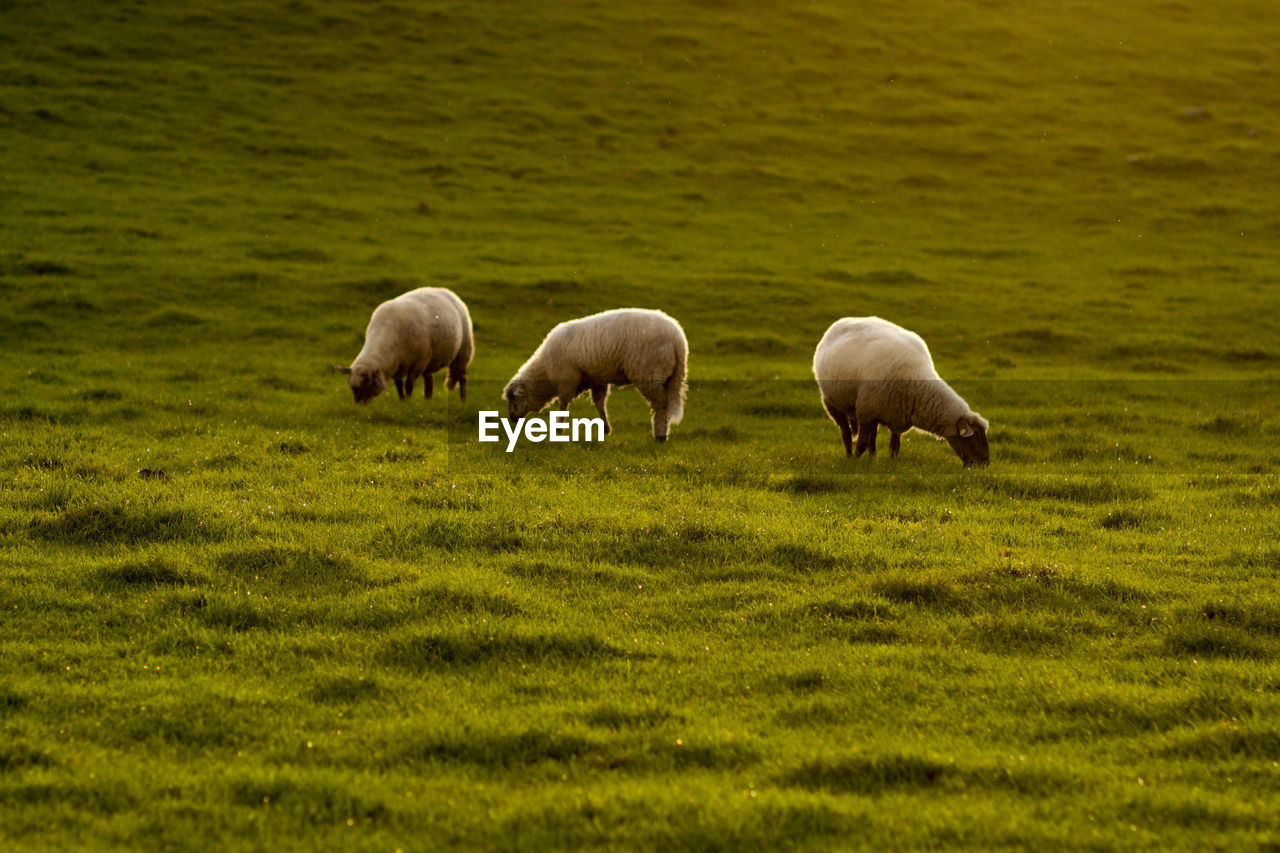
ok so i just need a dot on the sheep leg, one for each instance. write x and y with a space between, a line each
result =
457 378
565 392
428 385
867 438
409 379
895 442
655 394
600 396
400 387
846 431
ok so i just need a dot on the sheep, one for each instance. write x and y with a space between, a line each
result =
625 346
873 372
413 335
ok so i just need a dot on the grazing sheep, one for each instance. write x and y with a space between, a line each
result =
625 346
873 372
413 335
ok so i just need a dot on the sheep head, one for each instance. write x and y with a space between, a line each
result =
365 382
969 440
527 396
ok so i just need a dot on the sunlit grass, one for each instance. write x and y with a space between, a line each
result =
237 611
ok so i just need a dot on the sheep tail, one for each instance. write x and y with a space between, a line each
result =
676 387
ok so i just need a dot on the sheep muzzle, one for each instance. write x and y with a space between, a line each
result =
973 449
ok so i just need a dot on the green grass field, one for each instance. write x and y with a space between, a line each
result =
239 612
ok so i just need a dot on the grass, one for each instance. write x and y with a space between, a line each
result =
240 612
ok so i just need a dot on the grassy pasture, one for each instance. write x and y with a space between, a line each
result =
237 611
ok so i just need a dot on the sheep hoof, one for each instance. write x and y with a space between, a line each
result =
661 439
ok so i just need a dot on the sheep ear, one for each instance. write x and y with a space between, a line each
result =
964 428
340 369
517 391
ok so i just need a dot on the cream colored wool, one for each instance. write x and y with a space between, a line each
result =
872 372
625 346
411 336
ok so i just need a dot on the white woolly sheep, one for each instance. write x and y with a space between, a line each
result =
625 346
873 372
413 335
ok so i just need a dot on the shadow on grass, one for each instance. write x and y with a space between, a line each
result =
597 543
238 615
1228 741
1110 714
1070 490
15 757
506 750
195 722
411 542
1133 518
572 575
662 826
224 612
149 573
99 525
98 796
814 715
289 566
1263 560
1214 641
618 719
11 702
427 652
498 750
881 774
316 801
380 612
661 547
1252 617
1015 635
857 609
936 595
805 681
1048 590
343 689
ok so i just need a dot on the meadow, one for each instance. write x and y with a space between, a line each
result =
240 612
